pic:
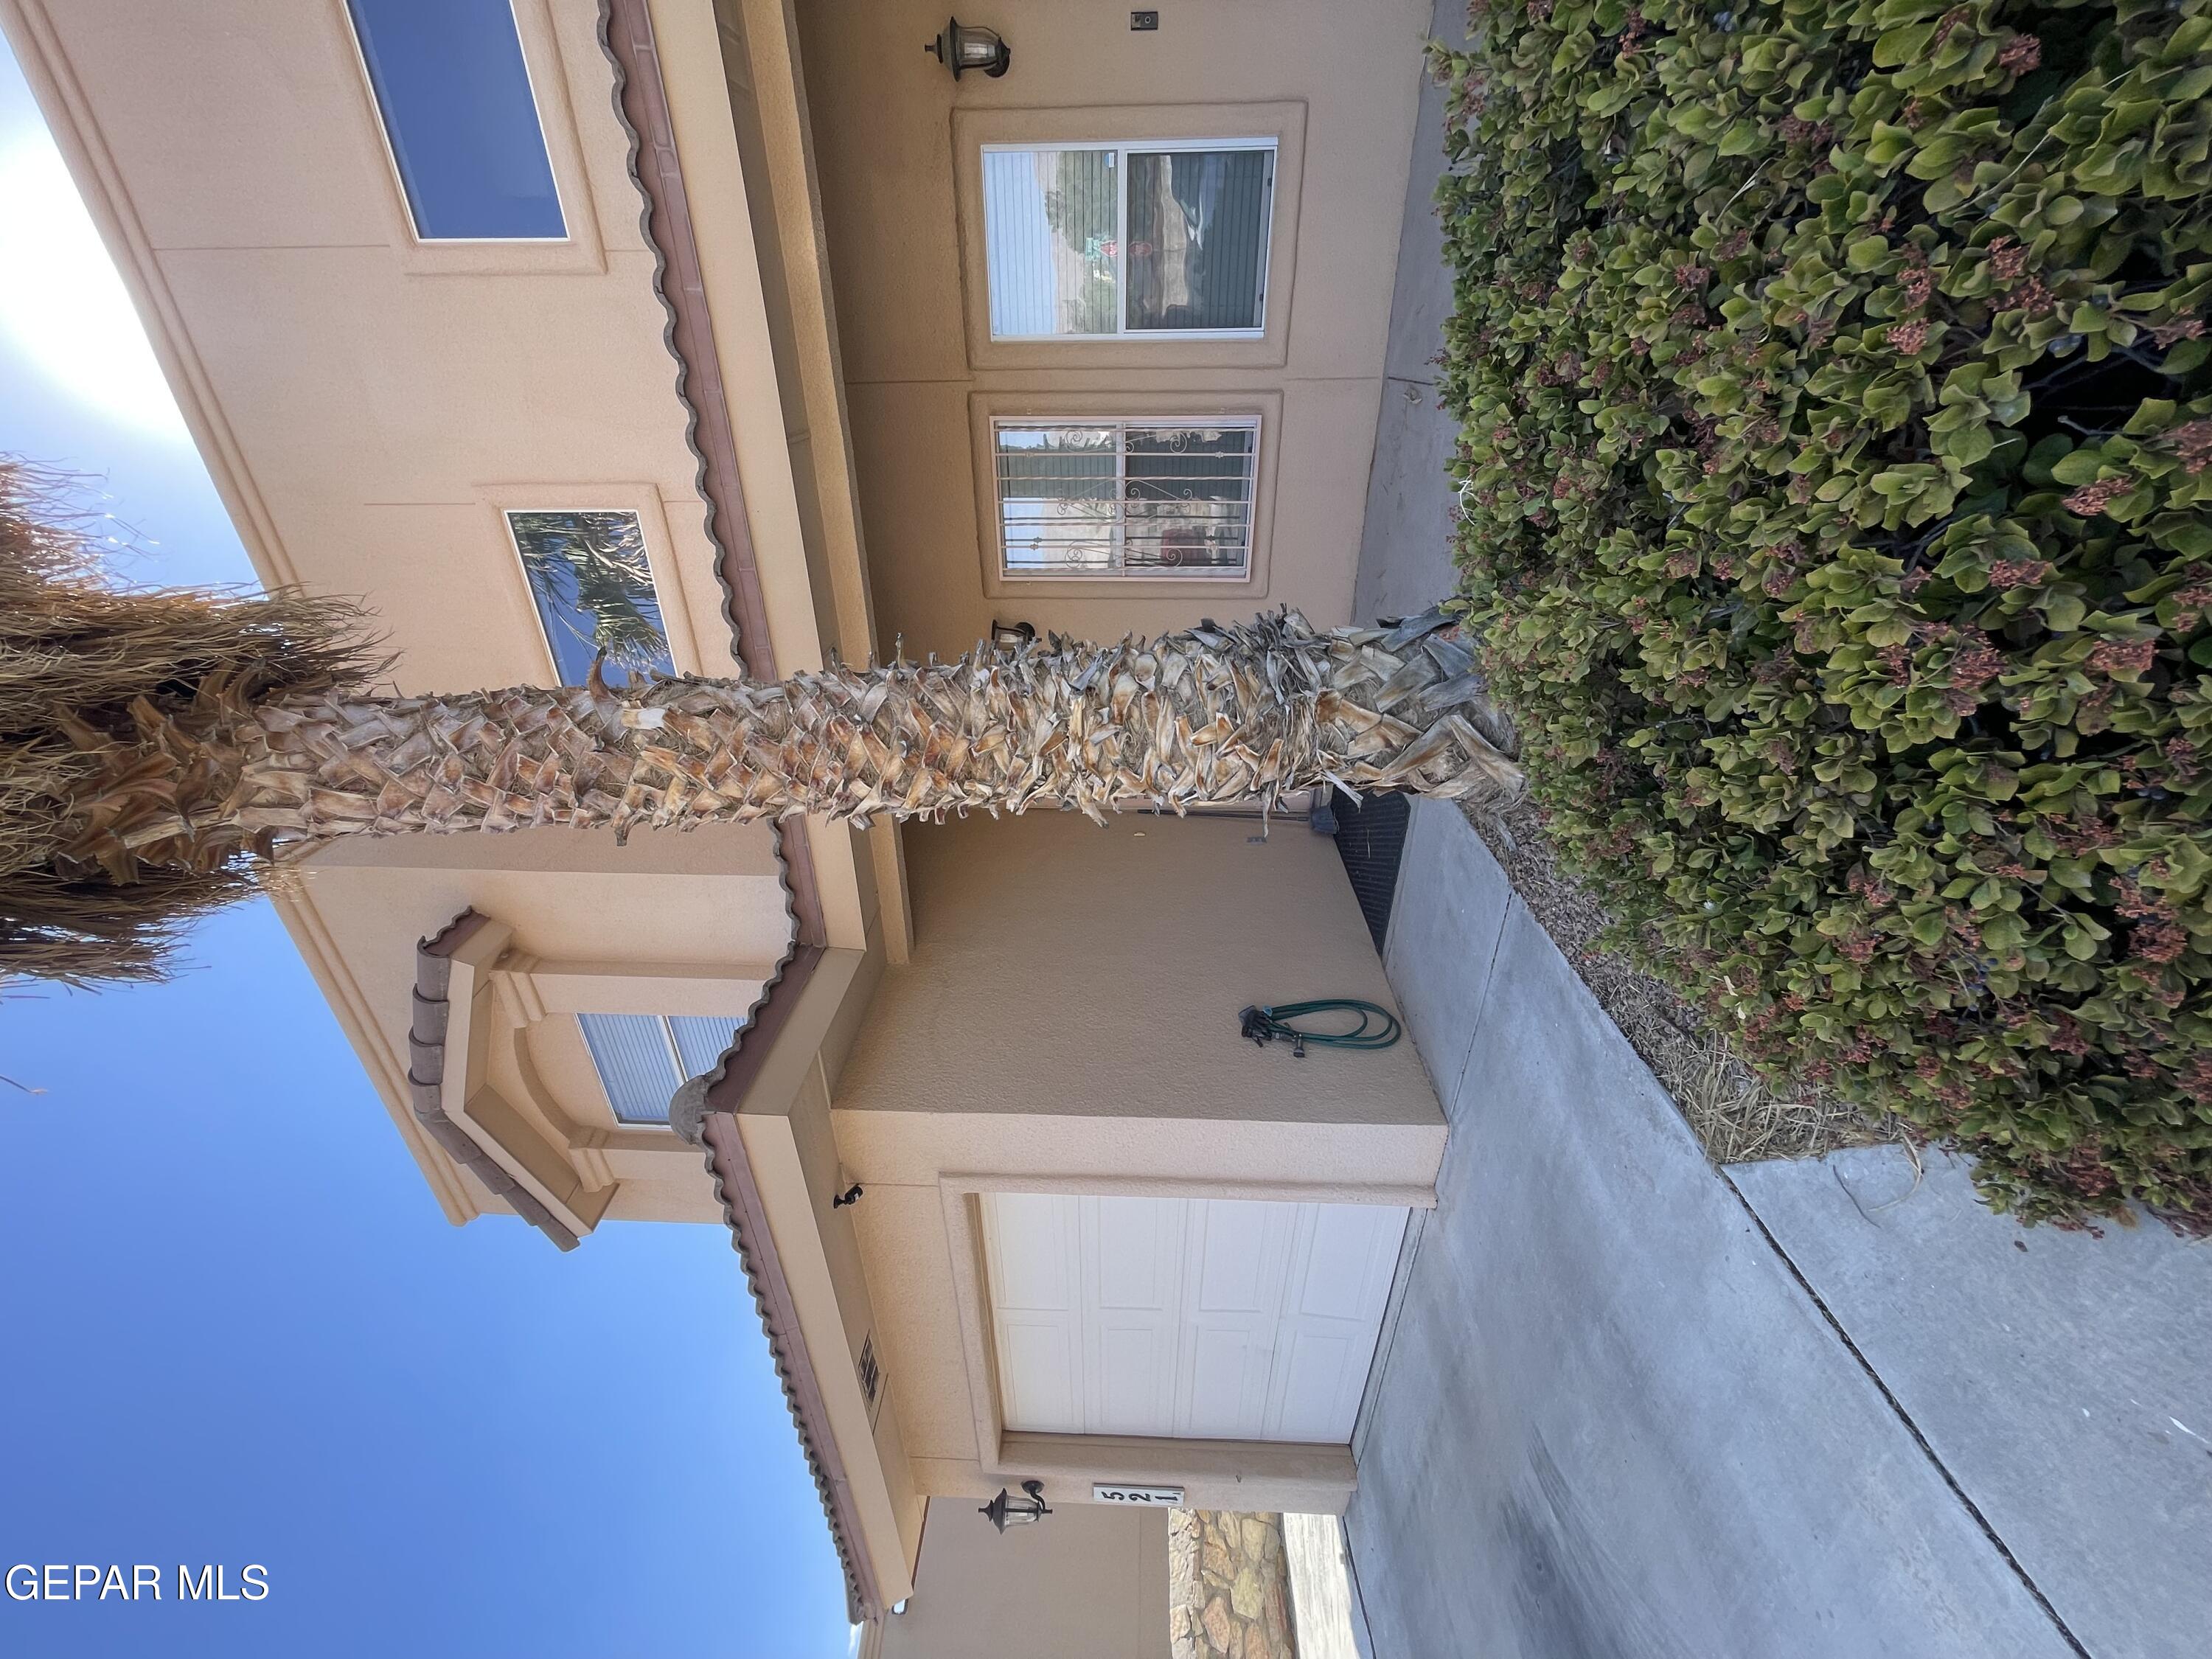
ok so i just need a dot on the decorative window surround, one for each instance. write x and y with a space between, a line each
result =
479 173
1138 127
574 1196
533 989
986 410
1161 238
643 502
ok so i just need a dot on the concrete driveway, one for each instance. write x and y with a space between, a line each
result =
1631 1407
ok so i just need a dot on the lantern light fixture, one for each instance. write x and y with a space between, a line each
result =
1005 1510
965 47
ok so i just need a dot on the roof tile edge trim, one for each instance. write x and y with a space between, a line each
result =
426 1076
641 104
753 1240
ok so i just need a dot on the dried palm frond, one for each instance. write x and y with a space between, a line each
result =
85 664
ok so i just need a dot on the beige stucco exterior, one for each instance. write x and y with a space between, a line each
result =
895 153
1020 1006
1089 1583
1068 1024
369 405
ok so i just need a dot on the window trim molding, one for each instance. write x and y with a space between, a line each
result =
1265 142
650 1125
541 998
1282 124
642 499
986 408
1251 422
546 65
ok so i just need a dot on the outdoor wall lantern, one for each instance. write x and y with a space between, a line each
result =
1005 1511
964 46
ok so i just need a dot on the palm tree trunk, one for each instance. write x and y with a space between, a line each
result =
1211 715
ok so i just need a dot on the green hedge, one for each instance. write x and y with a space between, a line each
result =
1834 500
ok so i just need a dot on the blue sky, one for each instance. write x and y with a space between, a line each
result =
237 1328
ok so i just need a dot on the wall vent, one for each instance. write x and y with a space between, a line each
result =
872 1375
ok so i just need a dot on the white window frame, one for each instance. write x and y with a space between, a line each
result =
1117 572
1119 149
499 500
674 1060
399 179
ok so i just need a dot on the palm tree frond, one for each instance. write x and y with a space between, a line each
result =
88 665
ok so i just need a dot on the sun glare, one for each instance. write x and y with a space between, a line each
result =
61 303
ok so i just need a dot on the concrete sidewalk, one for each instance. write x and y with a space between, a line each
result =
1615 1421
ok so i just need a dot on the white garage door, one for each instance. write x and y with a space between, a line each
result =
1211 1318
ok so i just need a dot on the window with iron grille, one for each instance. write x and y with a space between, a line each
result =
1162 238
1149 498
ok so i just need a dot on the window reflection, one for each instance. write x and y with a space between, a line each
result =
593 587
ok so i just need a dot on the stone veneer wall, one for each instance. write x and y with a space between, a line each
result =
1228 1591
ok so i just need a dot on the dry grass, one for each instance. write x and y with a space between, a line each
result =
1734 1113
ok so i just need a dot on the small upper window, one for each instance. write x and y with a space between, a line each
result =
1129 497
454 93
594 590
1143 238
642 1059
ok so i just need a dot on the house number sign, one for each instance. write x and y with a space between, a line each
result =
1170 1496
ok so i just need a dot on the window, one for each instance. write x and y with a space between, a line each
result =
454 94
1166 238
593 586
1147 498
642 1059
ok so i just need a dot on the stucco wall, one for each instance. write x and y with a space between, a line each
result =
1071 1011
1066 970
368 405
711 901
882 116
373 399
1083 1584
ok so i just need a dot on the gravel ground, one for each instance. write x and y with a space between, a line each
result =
1738 1117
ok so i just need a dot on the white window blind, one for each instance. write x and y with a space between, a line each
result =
641 1059
1126 497
1138 238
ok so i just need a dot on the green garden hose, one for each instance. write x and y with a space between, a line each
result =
1379 1028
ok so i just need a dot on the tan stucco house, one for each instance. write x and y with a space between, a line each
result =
752 314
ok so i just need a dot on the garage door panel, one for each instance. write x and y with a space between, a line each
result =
1313 1375
1238 1256
1041 1368
1035 1251
1135 1245
1225 1397
1343 1246
1212 1319
1131 1253
1135 1374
